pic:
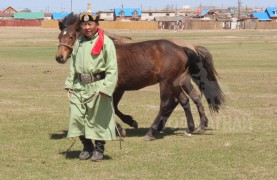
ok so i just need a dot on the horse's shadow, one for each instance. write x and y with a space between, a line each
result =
140 132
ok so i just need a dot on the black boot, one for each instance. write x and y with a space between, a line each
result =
98 152
88 148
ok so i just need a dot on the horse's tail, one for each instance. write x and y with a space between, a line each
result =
203 73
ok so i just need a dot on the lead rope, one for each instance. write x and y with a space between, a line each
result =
120 137
72 144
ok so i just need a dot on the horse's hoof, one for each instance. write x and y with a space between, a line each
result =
190 130
135 125
149 138
199 130
188 134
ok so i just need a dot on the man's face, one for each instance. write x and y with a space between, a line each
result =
89 28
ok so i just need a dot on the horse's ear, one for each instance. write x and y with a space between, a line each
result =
61 25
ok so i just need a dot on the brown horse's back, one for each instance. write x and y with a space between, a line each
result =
146 63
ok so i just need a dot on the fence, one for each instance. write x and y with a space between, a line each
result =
137 25
266 25
27 23
50 24
204 25
145 25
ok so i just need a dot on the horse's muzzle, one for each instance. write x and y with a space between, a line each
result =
60 59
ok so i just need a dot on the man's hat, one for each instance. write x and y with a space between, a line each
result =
89 16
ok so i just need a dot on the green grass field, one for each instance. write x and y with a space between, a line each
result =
240 143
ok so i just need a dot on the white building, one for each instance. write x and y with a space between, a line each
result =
150 15
106 15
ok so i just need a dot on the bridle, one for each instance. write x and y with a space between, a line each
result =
66 45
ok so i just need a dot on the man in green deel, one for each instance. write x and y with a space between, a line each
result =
92 80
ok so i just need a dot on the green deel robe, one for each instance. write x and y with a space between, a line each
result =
94 119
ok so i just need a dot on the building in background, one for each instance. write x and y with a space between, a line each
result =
9 10
106 15
58 15
151 15
127 14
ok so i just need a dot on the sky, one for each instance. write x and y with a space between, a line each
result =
102 5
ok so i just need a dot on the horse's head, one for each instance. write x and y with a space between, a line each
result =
69 33
67 38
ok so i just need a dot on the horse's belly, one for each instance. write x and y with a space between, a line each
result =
135 83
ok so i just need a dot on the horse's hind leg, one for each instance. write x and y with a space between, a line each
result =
117 95
167 105
184 101
195 96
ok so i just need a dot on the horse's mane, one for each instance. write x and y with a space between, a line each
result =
74 19
69 20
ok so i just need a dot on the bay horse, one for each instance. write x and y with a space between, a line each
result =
146 63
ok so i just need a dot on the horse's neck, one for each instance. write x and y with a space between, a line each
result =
79 34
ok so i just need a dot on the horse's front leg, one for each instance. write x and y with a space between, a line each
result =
167 105
117 95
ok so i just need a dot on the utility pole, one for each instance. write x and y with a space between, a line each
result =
239 6
71 6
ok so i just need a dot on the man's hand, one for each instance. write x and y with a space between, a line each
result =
103 94
69 90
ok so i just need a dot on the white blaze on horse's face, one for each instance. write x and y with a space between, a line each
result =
64 33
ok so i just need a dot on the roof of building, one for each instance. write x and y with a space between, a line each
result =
59 15
48 15
29 15
204 12
272 11
9 10
262 16
170 18
158 11
127 11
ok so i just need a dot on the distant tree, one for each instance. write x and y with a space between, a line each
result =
26 10
168 7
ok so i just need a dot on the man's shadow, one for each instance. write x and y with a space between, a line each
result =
75 155
57 136
69 154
